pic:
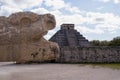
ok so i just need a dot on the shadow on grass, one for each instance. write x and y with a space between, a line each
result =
93 65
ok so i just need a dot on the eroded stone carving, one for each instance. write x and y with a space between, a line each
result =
21 38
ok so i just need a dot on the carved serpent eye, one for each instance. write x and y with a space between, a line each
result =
25 22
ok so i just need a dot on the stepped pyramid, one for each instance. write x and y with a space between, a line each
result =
68 36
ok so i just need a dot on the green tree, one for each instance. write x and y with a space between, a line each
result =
95 42
104 43
115 42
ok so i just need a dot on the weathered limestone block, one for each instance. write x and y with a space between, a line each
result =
21 38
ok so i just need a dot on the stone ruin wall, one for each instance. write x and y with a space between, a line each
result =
90 54
72 54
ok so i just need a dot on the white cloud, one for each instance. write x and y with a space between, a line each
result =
55 4
11 6
72 9
87 30
21 4
97 17
56 12
40 10
107 27
115 1
60 4
100 8
75 18
105 0
7 10
102 23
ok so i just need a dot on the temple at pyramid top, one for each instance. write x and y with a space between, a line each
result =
68 36
67 26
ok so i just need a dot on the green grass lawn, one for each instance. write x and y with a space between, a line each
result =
107 65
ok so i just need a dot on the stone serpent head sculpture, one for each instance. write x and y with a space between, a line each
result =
24 27
22 33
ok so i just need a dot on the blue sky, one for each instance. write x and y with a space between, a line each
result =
95 19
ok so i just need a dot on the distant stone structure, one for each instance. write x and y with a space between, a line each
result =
92 54
21 38
68 36
74 48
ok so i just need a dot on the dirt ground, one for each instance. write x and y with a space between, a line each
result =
10 71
